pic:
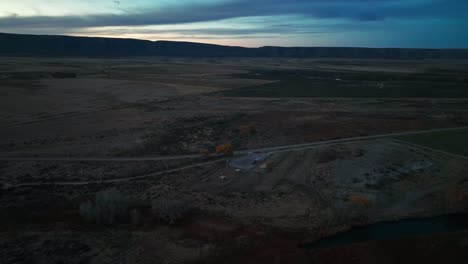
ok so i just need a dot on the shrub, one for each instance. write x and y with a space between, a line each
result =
170 211
269 164
247 130
458 195
204 152
108 207
225 149
360 201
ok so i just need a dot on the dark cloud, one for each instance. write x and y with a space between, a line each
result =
383 23
355 10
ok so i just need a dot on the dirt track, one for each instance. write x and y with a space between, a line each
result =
269 150
115 180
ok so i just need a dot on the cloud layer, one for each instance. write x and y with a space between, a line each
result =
361 10
311 17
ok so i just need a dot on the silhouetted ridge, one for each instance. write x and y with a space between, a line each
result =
45 45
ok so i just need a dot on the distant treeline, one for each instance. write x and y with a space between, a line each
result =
44 45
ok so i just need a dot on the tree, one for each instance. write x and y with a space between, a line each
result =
225 149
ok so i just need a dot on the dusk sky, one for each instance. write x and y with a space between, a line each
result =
367 23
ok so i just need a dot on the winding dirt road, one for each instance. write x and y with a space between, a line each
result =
78 183
268 150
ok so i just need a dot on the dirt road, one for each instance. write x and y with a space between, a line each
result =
269 150
77 183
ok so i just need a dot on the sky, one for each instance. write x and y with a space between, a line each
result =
250 23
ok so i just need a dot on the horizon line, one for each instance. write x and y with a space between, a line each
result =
221 45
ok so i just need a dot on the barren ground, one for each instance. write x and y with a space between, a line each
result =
157 106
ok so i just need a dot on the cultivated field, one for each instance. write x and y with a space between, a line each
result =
162 139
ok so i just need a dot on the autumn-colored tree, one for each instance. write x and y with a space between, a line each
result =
360 200
225 149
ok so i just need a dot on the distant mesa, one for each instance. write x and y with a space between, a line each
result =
67 46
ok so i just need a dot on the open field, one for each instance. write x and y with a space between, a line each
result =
149 128
450 141
355 81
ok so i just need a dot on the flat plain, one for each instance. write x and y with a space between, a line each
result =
156 128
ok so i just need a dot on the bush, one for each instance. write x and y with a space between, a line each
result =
360 201
108 208
247 130
458 195
170 211
204 152
225 149
269 164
